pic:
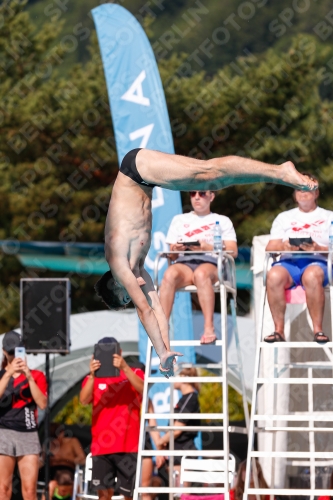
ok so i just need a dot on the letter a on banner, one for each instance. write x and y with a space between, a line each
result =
140 120
135 94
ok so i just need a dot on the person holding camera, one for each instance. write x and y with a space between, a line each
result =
21 391
304 228
115 428
194 231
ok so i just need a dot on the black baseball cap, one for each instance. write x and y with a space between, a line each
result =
11 340
108 340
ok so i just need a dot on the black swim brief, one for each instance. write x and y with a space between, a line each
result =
128 167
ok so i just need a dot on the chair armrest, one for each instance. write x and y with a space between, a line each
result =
159 255
266 262
329 267
232 266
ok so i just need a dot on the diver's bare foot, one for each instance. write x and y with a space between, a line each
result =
168 362
295 179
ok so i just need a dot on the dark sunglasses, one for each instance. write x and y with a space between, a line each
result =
202 194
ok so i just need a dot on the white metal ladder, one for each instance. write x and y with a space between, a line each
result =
276 422
223 288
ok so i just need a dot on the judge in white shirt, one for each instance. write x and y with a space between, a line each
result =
309 271
199 269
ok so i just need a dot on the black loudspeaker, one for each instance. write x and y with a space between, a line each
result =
45 311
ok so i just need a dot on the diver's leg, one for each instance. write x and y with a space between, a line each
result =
123 275
184 174
153 300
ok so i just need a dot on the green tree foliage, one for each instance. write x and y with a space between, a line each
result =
210 400
57 153
74 413
184 25
267 107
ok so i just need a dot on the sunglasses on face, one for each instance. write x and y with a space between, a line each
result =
202 194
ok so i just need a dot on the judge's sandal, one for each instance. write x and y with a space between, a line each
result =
274 337
320 338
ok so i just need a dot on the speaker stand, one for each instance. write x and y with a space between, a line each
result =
47 426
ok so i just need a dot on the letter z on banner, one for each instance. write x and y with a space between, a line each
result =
140 120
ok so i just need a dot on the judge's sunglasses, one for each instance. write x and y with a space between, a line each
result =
202 194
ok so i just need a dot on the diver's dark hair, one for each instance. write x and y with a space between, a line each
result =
105 290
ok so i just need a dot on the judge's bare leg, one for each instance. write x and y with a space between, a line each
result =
312 280
176 276
204 278
179 275
278 280
182 173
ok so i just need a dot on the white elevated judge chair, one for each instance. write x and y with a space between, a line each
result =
223 287
291 409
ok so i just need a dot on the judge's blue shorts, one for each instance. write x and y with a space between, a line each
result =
296 268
